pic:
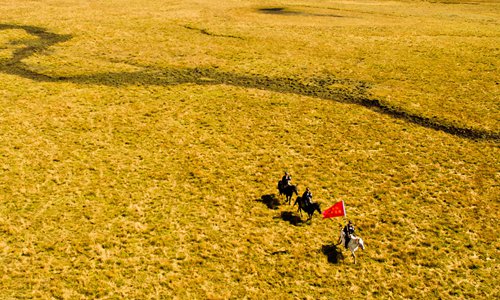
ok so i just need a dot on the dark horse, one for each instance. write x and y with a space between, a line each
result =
288 191
309 209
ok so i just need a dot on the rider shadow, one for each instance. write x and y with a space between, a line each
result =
270 201
291 218
333 254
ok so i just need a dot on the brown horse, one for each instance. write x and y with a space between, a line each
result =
288 191
308 208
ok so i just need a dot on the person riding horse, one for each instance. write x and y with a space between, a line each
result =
286 180
351 242
348 232
306 204
307 197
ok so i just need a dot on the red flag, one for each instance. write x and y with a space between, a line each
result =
337 210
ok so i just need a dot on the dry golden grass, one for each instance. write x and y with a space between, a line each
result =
139 140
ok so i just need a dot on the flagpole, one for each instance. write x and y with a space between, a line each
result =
345 212
343 207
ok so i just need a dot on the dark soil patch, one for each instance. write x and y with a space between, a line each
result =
316 87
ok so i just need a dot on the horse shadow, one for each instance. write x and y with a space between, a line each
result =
270 201
333 254
291 218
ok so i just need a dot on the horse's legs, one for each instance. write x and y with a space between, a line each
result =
353 247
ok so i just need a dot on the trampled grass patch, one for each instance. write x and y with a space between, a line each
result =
141 146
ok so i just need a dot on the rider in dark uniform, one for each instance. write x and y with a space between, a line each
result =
307 196
348 232
286 179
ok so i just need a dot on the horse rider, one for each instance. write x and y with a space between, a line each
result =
285 180
307 197
348 232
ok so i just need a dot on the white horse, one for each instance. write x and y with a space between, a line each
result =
353 245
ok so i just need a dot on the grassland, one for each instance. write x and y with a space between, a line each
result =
140 141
